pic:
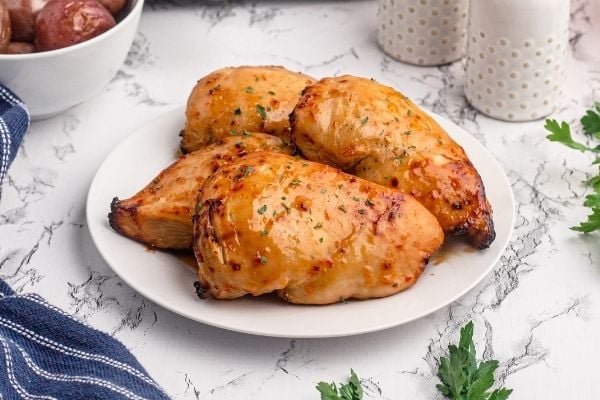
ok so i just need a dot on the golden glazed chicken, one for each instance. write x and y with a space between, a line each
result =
160 215
241 99
315 235
378 134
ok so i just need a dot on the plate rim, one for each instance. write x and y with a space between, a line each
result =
441 120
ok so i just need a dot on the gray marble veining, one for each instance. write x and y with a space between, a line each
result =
537 313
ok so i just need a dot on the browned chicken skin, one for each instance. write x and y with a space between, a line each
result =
315 235
241 99
378 134
160 215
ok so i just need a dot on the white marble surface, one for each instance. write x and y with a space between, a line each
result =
538 313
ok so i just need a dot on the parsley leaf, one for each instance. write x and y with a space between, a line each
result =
592 223
262 209
462 378
350 391
562 134
591 122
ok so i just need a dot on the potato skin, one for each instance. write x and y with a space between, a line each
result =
113 6
5 27
315 235
22 18
376 133
255 99
62 23
20 48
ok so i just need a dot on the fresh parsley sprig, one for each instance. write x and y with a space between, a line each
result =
562 133
462 378
349 391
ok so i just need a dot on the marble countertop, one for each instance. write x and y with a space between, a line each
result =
538 313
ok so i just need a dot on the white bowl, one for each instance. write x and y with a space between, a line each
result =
53 81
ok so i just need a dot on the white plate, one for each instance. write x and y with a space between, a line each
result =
166 280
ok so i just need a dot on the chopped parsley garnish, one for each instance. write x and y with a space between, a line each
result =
262 209
295 183
320 240
319 225
237 111
264 232
213 90
341 207
246 170
369 203
263 259
249 89
261 112
364 121
409 112
272 93
362 211
408 132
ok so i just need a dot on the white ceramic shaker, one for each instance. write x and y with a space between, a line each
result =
423 32
516 56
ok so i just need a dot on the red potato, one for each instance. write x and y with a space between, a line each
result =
20 48
5 29
63 23
113 6
22 18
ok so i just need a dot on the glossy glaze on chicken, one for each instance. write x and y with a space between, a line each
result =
160 215
378 134
240 99
315 235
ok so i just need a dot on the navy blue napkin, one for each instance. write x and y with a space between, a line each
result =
44 352
47 354
14 121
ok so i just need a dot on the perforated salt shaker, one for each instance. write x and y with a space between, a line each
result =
516 57
423 32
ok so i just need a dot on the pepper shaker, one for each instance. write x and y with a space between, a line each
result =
423 32
516 56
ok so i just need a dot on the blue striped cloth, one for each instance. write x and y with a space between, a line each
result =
45 353
14 121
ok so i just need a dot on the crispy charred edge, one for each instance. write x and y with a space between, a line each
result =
115 217
479 229
305 97
204 230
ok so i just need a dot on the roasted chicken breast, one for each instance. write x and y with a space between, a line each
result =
315 235
241 99
378 134
160 215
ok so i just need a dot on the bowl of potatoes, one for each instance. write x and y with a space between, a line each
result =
57 53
